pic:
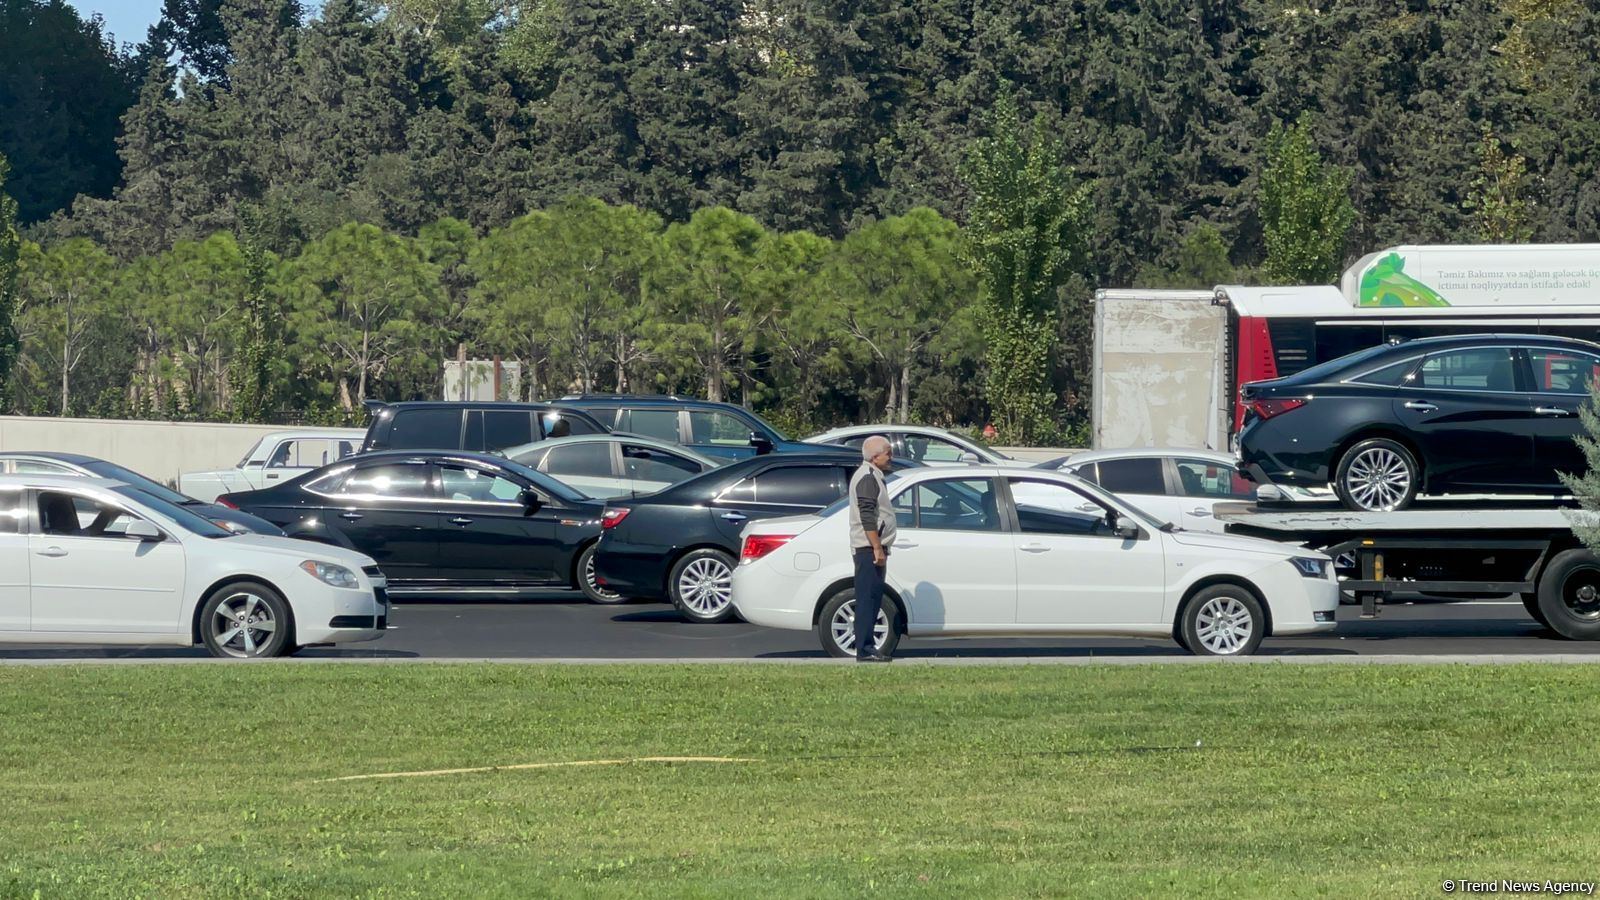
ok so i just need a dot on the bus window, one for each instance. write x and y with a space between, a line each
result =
1335 340
1293 344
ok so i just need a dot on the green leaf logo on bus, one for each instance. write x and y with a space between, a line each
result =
1385 284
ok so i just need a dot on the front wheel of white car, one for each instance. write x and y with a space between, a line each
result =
1223 620
836 625
246 620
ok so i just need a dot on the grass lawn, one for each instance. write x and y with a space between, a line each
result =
197 781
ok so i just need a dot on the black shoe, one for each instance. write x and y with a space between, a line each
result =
874 657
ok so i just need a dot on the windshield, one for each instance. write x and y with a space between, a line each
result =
134 479
181 517
249 453
772 433
544 482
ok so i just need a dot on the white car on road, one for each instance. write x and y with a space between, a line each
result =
91 561
927 445
990 550
274 459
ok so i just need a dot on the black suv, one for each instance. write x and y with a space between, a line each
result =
474 426
715 429
1487 413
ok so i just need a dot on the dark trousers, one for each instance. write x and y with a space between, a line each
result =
869 598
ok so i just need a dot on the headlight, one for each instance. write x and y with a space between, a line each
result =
1311 567
328 573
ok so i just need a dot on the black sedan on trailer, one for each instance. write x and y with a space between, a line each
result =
443 524
681 544
1485 413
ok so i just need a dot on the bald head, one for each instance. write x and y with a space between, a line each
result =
876 450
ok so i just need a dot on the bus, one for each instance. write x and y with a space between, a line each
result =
1408 292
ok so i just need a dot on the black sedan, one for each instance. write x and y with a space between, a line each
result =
443 524
50 462
681 544
1465 414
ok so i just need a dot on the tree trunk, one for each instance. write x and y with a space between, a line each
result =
714 372
894 398
622 368
366 360
344 394
905 393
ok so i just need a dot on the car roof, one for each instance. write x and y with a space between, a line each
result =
355 433
1470 340
925 473
55 481
424 455
1148 452
873 429
76 459
664 400
470 404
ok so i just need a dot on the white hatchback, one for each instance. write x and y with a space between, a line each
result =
90 561
990 550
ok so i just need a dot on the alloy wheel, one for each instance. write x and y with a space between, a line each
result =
1224 625
242 625
706 586
843 627
1378 479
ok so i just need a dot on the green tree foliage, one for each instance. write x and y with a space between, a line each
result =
363 302
1498 201
1305 210
63 87
1200 262
67 291
257 366
1025 239
10 248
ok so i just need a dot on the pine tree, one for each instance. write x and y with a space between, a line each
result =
10 245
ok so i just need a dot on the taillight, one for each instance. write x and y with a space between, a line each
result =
1267 407
759 545
224 501
613 516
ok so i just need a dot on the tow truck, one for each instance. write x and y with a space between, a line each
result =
1450 549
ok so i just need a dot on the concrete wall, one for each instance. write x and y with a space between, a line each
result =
160 450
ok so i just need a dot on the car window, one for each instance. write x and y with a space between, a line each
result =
580 460
70 515
1087 471
425 429
246 460
1477 369
808 486
661 424
13 510
35 467
743 491
931 449
1389 376
1139 475
466 484
564 424
307 453
719 428
966 504
394 481
504 428
1199 478
1563 371
650 464
1047 507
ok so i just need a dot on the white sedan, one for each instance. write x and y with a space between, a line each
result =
990 550
91 561
274 459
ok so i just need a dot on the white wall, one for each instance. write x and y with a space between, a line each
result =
160 450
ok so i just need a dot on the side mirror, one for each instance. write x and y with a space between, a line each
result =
530 503
969 458
144 531
761 444
1125 528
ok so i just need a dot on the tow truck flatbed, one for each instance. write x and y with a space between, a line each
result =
1459 548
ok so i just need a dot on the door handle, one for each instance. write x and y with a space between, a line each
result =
1035 548
905 545
272 477
734 517
352 516
1550 411
1200 511
461 520
1088 507
53 552
1420 406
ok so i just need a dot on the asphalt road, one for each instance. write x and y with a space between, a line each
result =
561 625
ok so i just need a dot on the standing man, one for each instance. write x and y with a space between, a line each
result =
872 526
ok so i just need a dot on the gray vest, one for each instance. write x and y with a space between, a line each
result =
869 495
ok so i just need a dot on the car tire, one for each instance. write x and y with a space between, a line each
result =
700 585
269 627
1569 595
586 583
838 618
1213 617
1377 475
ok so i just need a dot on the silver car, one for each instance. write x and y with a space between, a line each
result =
612 465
